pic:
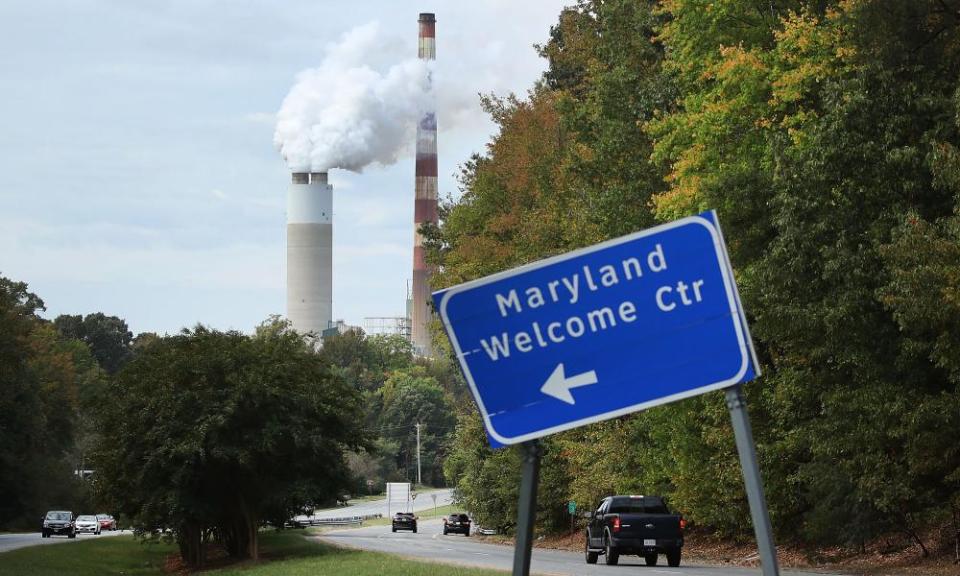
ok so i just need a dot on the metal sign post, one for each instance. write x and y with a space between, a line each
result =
527 509
751 478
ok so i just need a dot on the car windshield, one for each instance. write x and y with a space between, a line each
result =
58 516
87 519
404 514
459 517
103 517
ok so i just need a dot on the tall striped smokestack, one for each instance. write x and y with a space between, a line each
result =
310 252
425 198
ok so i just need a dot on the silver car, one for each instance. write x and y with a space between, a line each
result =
88 524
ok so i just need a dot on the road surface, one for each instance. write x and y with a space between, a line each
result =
13 541
430 544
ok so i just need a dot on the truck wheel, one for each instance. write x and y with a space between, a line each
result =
591 557
650 559
394 528
673 558
611 556
72 535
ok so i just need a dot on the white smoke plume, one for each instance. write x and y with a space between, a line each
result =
346 113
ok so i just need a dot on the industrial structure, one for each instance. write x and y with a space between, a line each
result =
310 253
387 325
425 198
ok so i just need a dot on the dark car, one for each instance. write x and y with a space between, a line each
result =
59 522
457 524
639 525
404 521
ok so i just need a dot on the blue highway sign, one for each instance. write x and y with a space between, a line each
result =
633 322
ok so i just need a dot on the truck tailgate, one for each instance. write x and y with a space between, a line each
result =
649 526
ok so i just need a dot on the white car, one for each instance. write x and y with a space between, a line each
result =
88 524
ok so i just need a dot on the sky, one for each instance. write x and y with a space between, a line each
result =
138 174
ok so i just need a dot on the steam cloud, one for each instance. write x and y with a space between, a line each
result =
347 114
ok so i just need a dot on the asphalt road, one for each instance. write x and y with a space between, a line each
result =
13 541
430 544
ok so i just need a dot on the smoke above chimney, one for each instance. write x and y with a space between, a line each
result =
348 113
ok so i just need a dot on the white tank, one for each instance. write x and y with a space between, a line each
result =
310 252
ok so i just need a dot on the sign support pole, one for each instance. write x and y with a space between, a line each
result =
527 510
751 478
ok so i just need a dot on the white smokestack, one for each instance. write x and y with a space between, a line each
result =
310 252
347 114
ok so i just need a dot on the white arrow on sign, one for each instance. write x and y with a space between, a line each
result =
558 385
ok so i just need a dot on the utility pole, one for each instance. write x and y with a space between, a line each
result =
418 454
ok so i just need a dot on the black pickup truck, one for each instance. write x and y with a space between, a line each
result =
639 525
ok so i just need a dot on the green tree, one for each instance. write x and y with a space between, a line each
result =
815 130
825 134
606 72
108 337
41 380
209 432
487 481
408 398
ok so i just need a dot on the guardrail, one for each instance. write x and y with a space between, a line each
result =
304 521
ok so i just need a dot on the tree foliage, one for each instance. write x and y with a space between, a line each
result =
108 337
825 134
211 433
42 378
399 393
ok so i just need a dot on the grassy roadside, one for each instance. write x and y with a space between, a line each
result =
97 557
309 558
285 553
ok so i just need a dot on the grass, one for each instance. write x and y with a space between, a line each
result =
95 557
307 558
285 553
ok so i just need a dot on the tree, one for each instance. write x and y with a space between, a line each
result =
487 481
606 72
824 133
569 166
815 129
410 397
216 432
41 380
109 338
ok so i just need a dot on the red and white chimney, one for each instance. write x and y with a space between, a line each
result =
425 199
